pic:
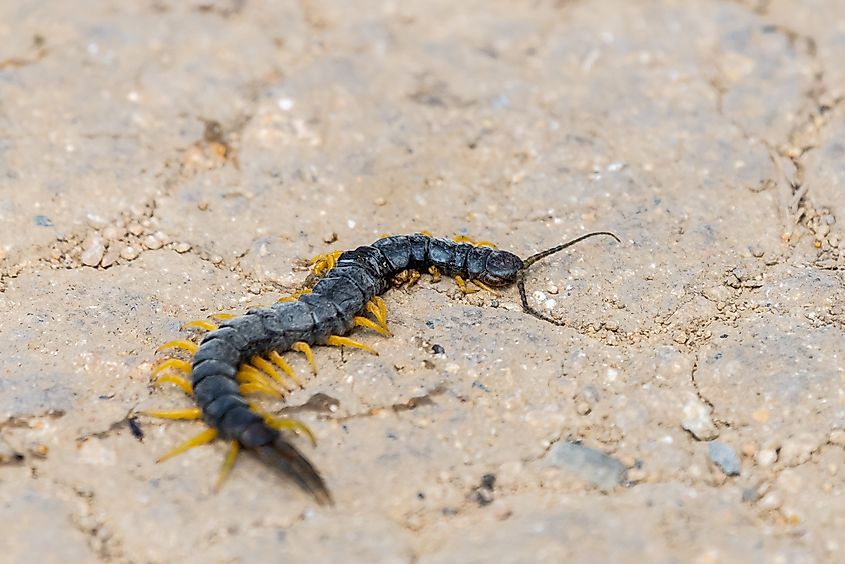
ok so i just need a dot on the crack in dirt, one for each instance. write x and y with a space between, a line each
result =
409 405
796 206
101 540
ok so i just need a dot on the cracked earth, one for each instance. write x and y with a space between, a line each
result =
162 161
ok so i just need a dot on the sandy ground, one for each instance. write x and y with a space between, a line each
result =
162 160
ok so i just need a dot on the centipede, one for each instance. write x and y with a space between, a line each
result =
241 356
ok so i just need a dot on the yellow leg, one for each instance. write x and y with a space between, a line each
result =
435 274
228 463
283 364
188 413
259 388
337 341
222 316
174 363
401 278
292 425
415 277
374 310
284 423
295 296
265 366
322 263
256 377
177 380
254 371
202 439
370 324
484 286
409 277
471 241
463 286
200 324
382 307
179 344
301 346
378 309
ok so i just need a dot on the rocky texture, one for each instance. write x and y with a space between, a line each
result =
163 161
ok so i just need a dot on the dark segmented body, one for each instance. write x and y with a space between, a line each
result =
329 309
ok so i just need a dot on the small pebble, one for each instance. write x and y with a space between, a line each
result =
717 293
216 259
591 465
552 289
129 252
770 501
697 420
583 408
182 247
111 256
483 497
152 243
93 249
766 457
161 236
438 349
724 456
136 229
43 221
113 232
379 201
96 221
330 237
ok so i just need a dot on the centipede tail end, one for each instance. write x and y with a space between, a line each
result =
284 457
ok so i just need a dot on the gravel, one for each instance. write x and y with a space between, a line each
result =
725 457
589 464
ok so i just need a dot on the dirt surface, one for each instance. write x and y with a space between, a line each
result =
162 160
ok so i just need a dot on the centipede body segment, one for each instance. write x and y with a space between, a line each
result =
243 354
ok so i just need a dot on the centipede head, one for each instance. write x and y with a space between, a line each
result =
520 275
501 268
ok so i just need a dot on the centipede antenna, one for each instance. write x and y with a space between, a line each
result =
520 280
